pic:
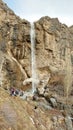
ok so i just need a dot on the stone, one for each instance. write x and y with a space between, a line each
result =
53 102
69 123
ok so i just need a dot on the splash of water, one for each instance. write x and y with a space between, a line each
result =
33 58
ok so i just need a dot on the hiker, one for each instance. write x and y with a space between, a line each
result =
12 90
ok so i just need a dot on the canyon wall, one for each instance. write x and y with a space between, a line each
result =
51 106
14 47
53 49
54 52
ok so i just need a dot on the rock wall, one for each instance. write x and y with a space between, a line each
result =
14 47
51 107
54 52
52 40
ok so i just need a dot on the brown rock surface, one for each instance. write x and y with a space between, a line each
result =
54 50
54 68
17 114
14 47
52 41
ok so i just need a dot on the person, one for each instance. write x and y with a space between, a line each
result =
12 90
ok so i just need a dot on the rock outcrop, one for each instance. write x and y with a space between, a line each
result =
54 48
14 47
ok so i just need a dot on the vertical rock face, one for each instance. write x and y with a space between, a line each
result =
54 48
49 108
52 38
14 47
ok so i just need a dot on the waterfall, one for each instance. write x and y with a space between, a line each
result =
33 58
33 79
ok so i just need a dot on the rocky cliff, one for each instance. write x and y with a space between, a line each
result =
54 69
14 47
54 51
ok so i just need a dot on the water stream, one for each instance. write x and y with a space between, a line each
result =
33 58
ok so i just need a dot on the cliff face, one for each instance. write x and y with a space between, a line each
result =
52 39
54 51
54 66
14 47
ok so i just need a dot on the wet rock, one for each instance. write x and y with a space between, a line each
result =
35 97
53 102
60 106
41 91
69 123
